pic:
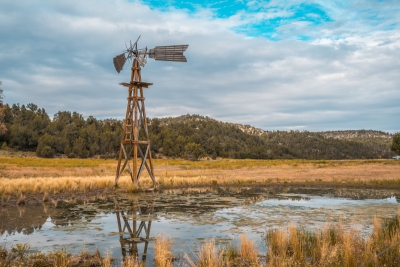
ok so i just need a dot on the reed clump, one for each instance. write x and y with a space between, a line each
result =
231 254
131 261
208 256
248 251
333 246
163 256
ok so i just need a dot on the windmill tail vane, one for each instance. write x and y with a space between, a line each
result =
162 53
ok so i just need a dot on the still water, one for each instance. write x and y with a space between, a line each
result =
126 224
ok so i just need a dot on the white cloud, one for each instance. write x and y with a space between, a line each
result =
58 55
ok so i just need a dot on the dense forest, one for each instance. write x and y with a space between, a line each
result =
30 128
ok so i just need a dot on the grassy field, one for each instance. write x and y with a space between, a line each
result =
22 174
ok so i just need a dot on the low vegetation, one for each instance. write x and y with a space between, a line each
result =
24 176
333 246
21 255
163 256
330 246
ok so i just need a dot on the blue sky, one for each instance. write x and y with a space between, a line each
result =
277 65
260 18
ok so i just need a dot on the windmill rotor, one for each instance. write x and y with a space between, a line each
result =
162 53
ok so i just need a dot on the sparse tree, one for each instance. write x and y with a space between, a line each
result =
396 143
193 151
45 146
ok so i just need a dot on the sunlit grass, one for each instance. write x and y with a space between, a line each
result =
55 162
248 251
162 251
56 185
333 246
30 161
22 186
207 256
30 175
250 163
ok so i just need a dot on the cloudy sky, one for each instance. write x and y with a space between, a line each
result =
313 65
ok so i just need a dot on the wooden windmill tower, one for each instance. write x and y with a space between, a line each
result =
135 143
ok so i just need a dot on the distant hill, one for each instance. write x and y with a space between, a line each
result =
187 136
171 135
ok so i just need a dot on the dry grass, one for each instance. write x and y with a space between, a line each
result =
162 252
21 255
131 261
59 185
231 254
107 260
332 246
37 176
211 256
207 256
248 251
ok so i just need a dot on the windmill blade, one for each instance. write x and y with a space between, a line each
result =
169 53
142 59
119 62
137 41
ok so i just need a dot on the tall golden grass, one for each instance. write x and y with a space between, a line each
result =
333 246
31 175
208 256
211 256
55 185
59 185
248 251
163 256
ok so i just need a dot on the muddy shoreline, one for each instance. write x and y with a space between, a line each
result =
101 193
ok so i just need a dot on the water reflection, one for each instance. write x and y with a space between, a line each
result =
21 220
125 225
134 225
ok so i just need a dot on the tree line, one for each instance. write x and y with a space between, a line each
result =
218 139
29 128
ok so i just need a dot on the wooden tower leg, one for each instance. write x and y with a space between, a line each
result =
136 139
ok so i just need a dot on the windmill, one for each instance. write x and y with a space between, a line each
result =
136 140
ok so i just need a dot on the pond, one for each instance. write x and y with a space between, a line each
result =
127 224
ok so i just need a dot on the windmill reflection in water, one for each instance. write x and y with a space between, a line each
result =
134 225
